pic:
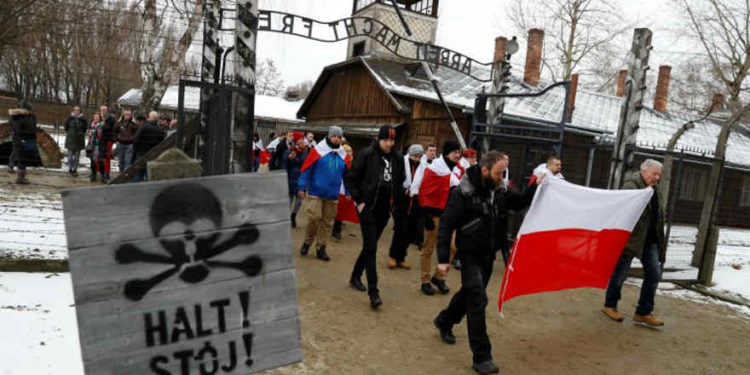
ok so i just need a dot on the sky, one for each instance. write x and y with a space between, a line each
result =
467 26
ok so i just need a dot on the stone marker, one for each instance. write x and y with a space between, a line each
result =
173 164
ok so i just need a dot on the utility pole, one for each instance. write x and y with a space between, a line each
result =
630 113
246 32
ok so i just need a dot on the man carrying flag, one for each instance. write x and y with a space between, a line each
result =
433 184
376 181
474 212
646 243
552 168
322 173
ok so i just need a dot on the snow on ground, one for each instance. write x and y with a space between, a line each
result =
732 265
38 329
31 226
672 290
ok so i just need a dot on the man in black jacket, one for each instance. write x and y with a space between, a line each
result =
23 126
147 137
375 179
277 159
475 210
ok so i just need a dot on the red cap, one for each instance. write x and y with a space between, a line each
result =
470 153
297 136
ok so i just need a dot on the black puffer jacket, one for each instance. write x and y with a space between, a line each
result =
364 177
478 214
23 124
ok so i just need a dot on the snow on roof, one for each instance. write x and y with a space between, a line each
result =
593 111
266 107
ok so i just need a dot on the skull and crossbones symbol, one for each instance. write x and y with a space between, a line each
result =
195 213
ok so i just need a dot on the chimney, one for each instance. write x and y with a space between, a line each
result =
662 88
500 49
717 103
534 57
621 78
572 97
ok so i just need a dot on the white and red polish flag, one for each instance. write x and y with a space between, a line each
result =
434 183
571 237
322 149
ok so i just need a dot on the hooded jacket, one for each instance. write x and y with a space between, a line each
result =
478 215
322 178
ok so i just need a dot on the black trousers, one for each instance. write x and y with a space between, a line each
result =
415 223
372 222
401 237
471 300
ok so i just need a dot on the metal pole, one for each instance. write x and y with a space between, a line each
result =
590 165
447 109
672 203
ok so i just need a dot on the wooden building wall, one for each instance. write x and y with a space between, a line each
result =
429 124
350 97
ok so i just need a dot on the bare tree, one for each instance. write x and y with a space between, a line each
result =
269 81
300 90
722 29
65 55
164 46
580 36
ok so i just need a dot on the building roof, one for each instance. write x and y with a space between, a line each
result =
595 112
270 108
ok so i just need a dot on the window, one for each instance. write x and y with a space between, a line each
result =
358 49
745 192
693 184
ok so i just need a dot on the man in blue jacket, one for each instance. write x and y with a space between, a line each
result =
322 174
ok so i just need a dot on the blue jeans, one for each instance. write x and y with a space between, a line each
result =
651 269
126 156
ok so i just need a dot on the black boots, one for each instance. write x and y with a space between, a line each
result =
456 264
486 367
322 255
21 177
445 334
336 232
320 252
356 283
304 249
440 284
427 289
375 301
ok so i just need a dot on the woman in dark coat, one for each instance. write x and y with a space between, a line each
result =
75 138
292 162
23 126
96 148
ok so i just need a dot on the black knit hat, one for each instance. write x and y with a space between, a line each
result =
386 132
450 146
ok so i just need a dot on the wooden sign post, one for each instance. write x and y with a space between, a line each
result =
190 276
